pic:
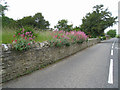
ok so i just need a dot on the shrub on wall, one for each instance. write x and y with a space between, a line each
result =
23 39
61 38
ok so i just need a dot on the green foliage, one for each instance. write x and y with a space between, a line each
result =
76 28
21 44
63 25
59 42
111 33
97 21
8 22
7 35
25 21
102 37
40 22
43 36
36 21
3 8
117 36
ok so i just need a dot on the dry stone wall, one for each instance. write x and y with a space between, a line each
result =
17 63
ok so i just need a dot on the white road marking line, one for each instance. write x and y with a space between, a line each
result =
112 46
110 77
112 52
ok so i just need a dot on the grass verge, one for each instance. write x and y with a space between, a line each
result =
7 36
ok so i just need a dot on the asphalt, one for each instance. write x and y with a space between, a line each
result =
88 68
119 63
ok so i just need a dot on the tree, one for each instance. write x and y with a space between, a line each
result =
96 22
111 33
3 8
63 25
8 22
76 28
26 21
36 21
40 22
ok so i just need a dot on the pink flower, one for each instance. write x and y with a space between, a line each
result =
61 31
72 32
33 37
15 40
28 43
25 38
13 35
23 30
62 36
26 33
30 38
67 33
18 33
55 35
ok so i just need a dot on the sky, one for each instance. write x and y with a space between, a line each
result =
55 10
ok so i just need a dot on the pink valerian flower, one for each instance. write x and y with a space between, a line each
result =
27 33
33 37
15 40
67 33
62 36
67 37
60 31
72 32
21 35
25 38
18 33
30 38
28 43
23 30
13 35
56 36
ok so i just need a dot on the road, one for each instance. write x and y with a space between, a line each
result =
93 67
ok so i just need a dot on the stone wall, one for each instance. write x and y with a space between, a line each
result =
17 63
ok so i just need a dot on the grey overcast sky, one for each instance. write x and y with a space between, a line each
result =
54 10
